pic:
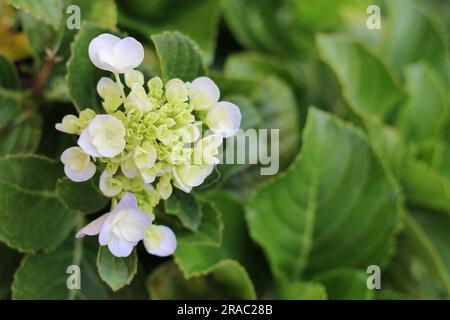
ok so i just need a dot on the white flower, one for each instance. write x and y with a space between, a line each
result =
122 228
103 137
108 52
69 124
188 176
224 119
160 241
77 164
203 93
109 185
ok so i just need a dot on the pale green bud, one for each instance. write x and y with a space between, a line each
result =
176 91
134 77
164 187
145 155
69 124
155 83
164 134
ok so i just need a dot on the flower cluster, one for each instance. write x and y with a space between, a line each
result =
149 141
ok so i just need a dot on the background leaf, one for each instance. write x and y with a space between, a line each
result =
226 280
48 11
425 40
179 56
116 272
363 77
309 222
345 284
9 261
81 196
186 207
32 216
197 19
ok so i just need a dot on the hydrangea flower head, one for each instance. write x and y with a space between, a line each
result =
146 143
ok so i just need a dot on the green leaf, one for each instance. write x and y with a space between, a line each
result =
413 35
424 186
275 104
418 269
367 85
45 276
10 106
9 78
301 290
435 226
226 280
48 11
197 19
32 218
10 98
81 196
267 26
102 12
325 15
179 56
336 191
41 37
82 75
116 272
9 261
387 142
23 137
209 232
345 284
277 107
248 65
195 260
186 208
417 123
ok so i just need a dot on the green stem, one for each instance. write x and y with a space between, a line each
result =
116 75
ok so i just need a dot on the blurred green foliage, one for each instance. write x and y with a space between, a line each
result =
364 147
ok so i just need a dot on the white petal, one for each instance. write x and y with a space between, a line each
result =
128 201
148 178
134 225
129 169
106 230
203 93
120 248
103 42
80 176
180 184
112 151
128 53
224 118
92 228
85 142
161 247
